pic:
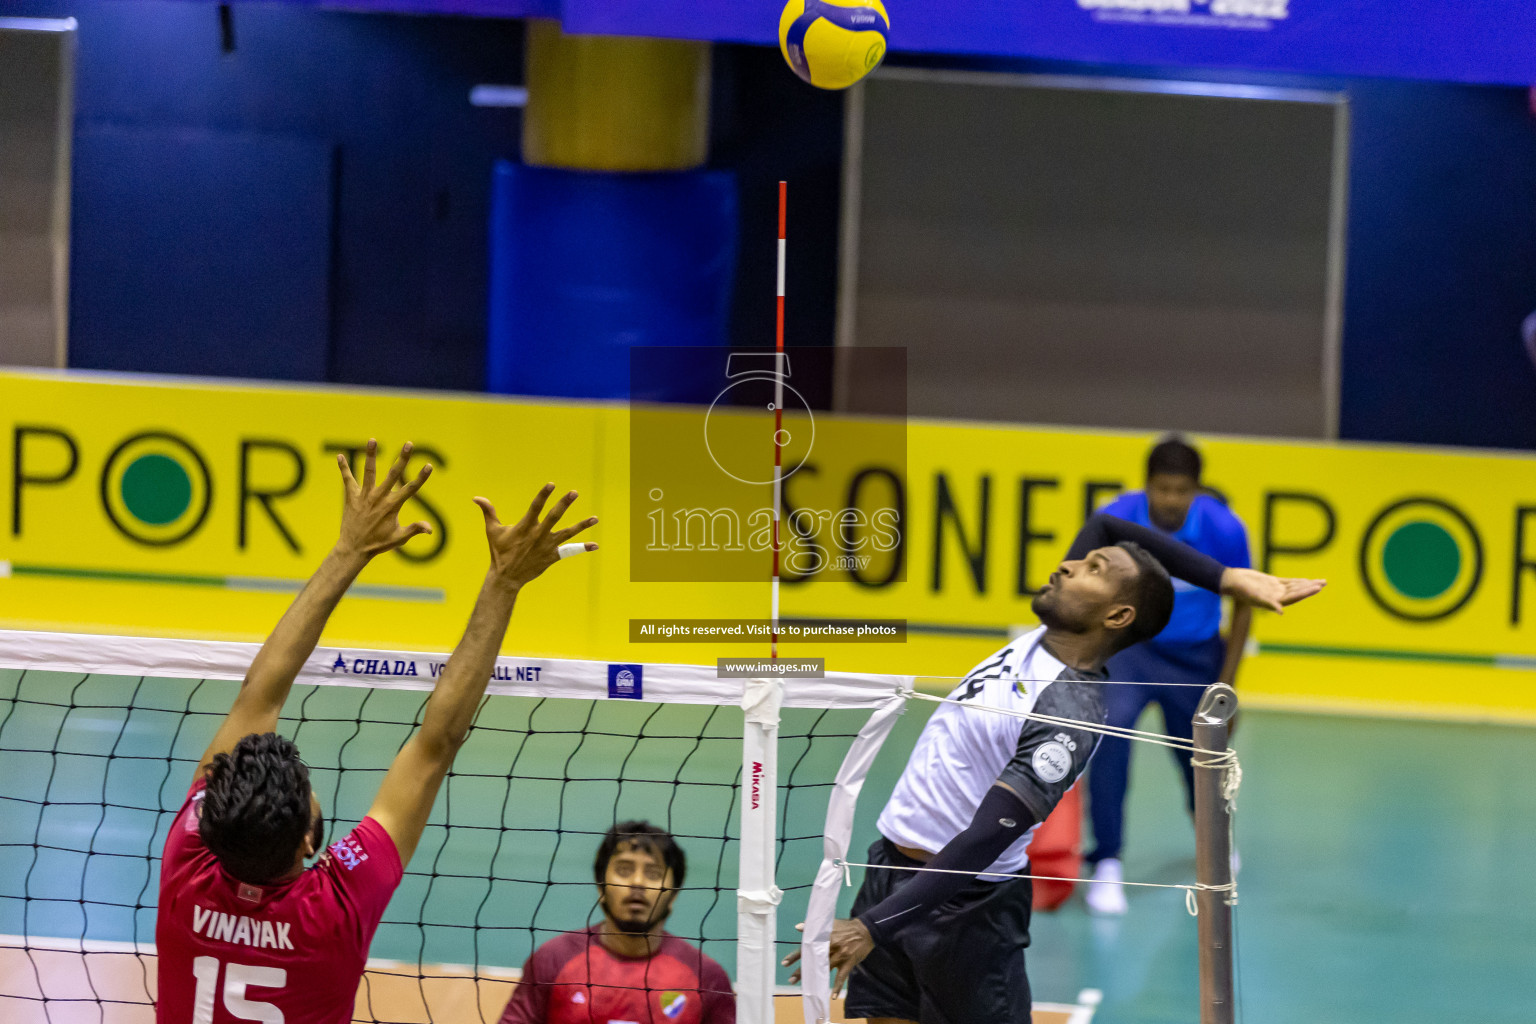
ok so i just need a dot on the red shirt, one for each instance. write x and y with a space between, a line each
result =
574 979
284 954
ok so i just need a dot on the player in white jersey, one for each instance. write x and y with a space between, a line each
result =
930 803
947 946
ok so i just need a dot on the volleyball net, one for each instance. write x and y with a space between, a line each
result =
756 779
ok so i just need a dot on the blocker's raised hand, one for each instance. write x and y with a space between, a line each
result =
1266 591
524 549
370 516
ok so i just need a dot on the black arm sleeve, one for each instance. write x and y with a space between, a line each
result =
1000 820
1178 558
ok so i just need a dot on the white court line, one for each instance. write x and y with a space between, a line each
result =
1080 1012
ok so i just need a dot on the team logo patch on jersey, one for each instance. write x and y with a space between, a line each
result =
195 819
349 851
672 1004
1052 761
249 893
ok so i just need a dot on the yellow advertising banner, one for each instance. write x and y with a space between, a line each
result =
197 508
194 509
1430 556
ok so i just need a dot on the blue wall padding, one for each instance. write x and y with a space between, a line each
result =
587 265
200 252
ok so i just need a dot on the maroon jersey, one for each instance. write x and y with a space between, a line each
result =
283 954
574 979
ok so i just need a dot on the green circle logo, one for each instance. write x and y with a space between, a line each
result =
156 489
1421 559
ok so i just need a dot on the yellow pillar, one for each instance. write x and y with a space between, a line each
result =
614 103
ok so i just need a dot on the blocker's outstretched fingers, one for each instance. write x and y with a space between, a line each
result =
408 492
559 510
537 505
561 536
346 472
489 510
576 548
397 468
370 464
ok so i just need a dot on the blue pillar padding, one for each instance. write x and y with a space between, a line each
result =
586 265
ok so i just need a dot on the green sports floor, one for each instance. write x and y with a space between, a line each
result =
1387 876
1387 866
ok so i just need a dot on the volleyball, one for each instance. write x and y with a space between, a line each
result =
833 43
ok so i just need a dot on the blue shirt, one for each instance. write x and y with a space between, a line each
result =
1210 528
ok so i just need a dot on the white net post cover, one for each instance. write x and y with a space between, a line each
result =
816 975
757 899
333 669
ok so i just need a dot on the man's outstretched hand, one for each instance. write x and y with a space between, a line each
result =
523 550
370 519
369 526
1266 591
849 945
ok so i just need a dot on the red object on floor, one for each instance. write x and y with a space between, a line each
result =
1056 849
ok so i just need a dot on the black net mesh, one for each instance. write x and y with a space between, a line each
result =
93 769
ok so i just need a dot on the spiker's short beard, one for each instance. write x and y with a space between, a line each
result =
1041 606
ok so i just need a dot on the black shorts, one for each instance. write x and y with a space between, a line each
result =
963 965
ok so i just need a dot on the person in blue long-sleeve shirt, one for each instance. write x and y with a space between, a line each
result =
1173 668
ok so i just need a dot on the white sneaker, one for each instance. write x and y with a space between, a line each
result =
1105 893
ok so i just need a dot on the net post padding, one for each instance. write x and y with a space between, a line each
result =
1213 855
757 897
816 975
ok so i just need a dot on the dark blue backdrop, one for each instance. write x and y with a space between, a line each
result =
1442 265
399 211
241 221
1490 41
1442 232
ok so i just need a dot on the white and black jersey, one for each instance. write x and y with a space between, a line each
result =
949 941
962 751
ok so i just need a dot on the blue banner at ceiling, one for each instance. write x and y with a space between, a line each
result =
1483 41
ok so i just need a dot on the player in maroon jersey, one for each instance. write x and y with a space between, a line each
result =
244 930
626 970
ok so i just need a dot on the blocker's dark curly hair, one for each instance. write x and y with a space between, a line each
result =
256 807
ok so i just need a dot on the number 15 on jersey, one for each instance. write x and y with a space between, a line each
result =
236 979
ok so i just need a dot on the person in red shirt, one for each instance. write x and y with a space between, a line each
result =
244 930
626 970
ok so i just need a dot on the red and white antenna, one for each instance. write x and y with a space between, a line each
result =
778 425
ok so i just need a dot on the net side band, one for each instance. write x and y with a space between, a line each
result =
658 683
